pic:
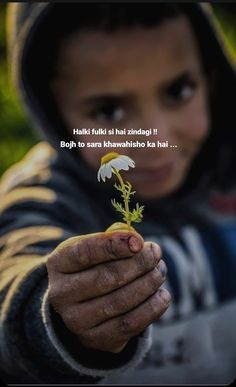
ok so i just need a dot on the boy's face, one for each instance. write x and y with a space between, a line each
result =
137 78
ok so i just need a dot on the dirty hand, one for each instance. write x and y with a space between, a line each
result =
105 286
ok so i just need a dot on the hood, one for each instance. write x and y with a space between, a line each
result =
28 28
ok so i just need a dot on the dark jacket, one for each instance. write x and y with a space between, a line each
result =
49 197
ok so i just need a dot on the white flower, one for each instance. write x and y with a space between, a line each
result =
113 160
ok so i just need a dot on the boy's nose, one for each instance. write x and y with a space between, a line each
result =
159 125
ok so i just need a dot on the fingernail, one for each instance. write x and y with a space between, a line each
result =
162 268
165 295
134 244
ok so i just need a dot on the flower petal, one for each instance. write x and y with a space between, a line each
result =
99 174
109 170
118 164
128 160
122 162
106 171
103 175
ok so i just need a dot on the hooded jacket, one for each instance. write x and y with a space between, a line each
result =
49 196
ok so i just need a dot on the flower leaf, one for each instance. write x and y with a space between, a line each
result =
118 207
118 187
136 215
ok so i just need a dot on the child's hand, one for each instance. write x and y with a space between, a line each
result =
105 287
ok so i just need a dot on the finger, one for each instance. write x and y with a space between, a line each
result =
120 301
78 253
128 325
106 277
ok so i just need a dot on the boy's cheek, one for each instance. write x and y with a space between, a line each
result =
201 117
199 128
92 156
193 127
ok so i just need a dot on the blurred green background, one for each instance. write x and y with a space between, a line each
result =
16 133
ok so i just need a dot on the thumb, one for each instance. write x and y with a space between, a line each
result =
120 226
135 241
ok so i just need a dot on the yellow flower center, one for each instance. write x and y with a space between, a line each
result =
108 157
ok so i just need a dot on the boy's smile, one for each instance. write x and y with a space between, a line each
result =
137 77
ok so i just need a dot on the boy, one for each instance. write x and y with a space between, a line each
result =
80 305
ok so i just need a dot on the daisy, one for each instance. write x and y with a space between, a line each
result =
113 161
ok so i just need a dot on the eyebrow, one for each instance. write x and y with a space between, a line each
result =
122 98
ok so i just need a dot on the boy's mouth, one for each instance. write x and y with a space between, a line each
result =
151 174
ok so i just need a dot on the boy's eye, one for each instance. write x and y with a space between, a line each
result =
180 91
108 113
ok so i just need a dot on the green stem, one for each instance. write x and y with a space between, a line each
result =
126 199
